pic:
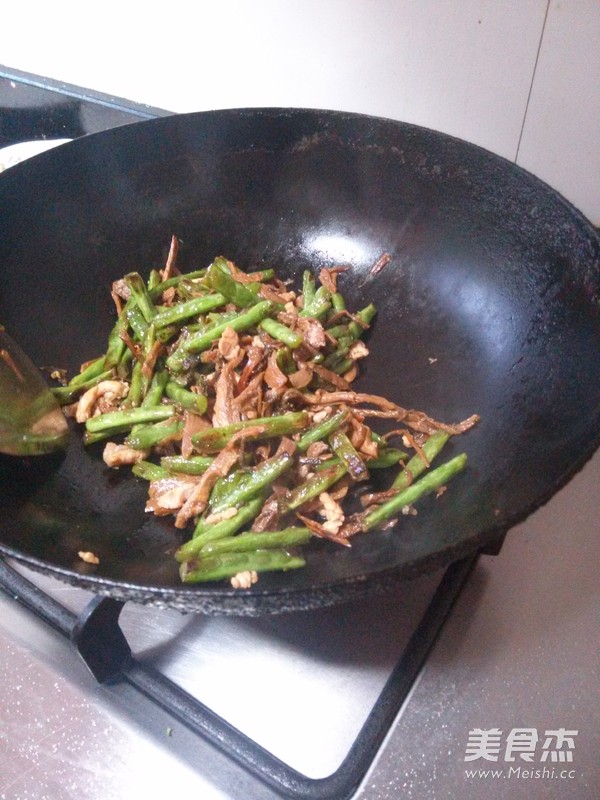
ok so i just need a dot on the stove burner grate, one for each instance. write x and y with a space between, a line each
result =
99 640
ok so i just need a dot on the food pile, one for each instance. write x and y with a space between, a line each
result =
231 394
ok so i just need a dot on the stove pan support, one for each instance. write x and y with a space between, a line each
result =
100 642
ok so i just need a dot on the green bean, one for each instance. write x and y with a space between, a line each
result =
212 439
92 438
308 288
226 565
135 394
148 344
144 437
117 349
153 280
191 308
262 275
140 295
224 486
122 369
426 484
338 331
281 332
384 460
348 334
318 305
67 394
153 395
175 280
322 429
285 361
195 465
318 311
220 280
387 458
338 302
186 399
377 437
265 540
149 471
189 290
342 367
137 322
125 419
321 481
205 532
157 346
416 465
365 315
257 480
344 449
92 370
203 340
156 389
338 361
216 319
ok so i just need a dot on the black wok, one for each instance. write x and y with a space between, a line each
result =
489 305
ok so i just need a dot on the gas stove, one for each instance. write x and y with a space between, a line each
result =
375 699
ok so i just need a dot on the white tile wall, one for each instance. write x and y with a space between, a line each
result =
561 136
464 67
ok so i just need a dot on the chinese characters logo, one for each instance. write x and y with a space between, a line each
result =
521 743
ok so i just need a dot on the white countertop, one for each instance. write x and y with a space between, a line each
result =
520 650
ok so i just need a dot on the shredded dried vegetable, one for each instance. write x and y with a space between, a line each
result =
231 394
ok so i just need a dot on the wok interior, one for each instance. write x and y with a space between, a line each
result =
488 305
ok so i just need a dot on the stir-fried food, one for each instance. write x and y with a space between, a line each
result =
230 392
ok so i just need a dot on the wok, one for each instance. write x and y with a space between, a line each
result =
489 305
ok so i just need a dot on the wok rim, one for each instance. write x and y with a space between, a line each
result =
217 599
223 600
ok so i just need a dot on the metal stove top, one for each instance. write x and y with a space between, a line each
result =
518 653
300 686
